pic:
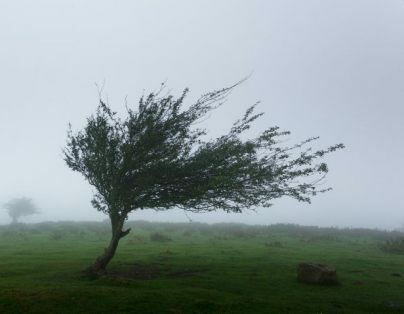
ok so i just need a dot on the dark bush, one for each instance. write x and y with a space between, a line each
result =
56 235
188 233
137 239
274 244
393 246
159 237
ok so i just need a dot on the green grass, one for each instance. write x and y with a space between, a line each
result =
196 268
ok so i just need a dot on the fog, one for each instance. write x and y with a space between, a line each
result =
319 67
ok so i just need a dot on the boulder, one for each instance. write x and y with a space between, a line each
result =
316 273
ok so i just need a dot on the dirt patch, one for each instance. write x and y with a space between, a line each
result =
186 273
139 271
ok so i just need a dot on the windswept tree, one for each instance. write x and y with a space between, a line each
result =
158 157
20 207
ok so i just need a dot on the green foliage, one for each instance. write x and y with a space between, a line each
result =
19 207
156 157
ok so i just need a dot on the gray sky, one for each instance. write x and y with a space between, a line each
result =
333 68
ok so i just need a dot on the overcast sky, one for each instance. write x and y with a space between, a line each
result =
333 68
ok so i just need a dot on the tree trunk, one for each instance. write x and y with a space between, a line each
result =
102 261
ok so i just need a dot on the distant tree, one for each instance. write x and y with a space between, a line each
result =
20 207
156 157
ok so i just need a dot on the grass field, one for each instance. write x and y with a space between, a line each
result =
197 268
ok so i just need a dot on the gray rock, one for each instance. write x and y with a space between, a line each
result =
314 273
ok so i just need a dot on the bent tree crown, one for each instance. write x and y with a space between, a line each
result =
155 157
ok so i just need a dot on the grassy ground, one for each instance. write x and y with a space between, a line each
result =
197 268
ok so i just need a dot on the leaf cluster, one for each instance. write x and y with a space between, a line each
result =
157 157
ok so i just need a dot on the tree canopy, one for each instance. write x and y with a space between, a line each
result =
19 207
159 157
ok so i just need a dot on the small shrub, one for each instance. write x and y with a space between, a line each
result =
159 237
56 235
137 239
220 238
318 238
274 244
393 246
188 233
241 234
